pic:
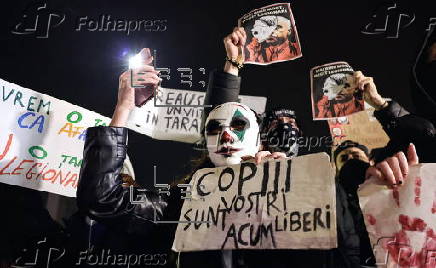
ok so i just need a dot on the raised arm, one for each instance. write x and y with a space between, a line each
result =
100 192
224 86
387 112
401 126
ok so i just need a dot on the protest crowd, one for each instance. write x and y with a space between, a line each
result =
117 219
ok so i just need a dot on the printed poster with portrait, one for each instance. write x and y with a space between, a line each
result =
334 91
271 35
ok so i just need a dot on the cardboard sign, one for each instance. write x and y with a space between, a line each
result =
401 222
176 114
279 204
361 127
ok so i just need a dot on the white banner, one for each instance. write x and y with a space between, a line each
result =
172 122
401 221
284 204
41 145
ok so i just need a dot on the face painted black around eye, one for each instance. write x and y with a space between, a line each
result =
239 123
213 127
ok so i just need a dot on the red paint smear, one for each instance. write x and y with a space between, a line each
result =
433 209
398 246
396 195
418 183
400 251
371 219
417 201
416 224
429 249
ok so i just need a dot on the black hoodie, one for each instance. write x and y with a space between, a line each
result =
424 80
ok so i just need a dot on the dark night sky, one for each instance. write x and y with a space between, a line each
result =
83 67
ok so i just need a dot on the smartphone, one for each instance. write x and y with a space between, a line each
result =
143 93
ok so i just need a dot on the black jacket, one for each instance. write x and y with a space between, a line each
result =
423 80
404 128
100 195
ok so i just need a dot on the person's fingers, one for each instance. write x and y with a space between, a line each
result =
238 34
124 76
148 78
125 91
146 75
235 38
124 81
260 155
226 40
404 166
241 39
394 165
387 172
277 155
145 68
412 156
153 81
363 82
148 81
242 30
358 74
369 80
247 157
374 172
258 158
121 84
358 81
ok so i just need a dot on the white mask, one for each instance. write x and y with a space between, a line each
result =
264 27
231 132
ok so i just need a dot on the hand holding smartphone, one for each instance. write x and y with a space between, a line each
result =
144 78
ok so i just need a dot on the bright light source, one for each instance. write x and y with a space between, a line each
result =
135 62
